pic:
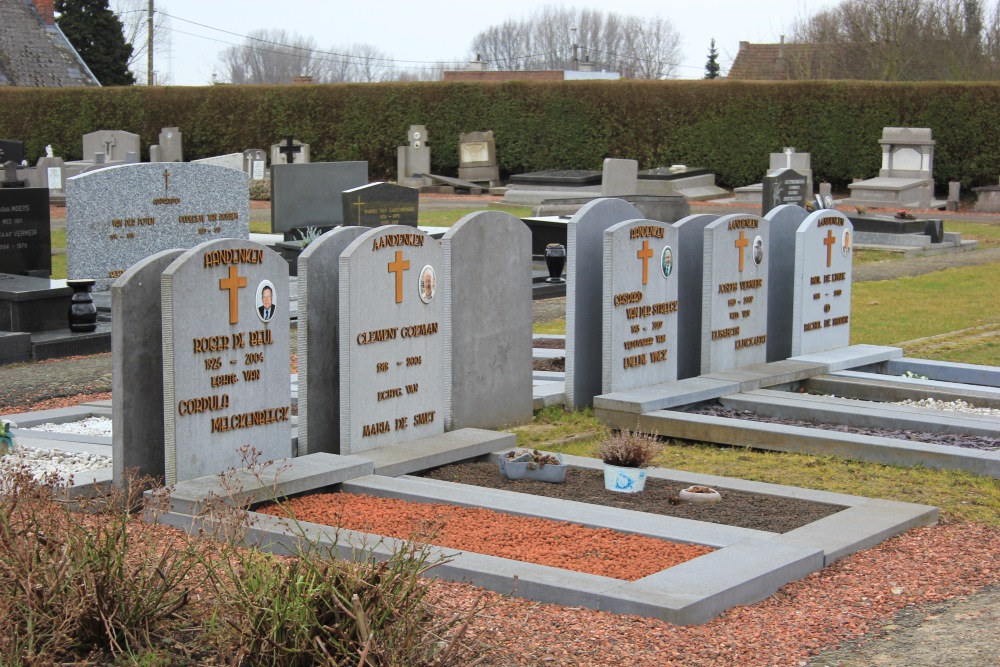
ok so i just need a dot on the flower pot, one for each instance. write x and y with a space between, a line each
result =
522 467
703 494
82 311
624 480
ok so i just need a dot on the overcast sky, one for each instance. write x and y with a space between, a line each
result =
432 31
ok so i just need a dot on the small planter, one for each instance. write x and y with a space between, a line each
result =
700 494
526 466
624 480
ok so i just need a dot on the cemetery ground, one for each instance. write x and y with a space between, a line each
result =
927 597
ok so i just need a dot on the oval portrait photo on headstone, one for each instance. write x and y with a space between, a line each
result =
428 283
846 242
667 261
265 300
758 250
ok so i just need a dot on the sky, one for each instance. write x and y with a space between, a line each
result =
432 31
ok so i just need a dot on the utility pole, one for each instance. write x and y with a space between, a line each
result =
149 44
576 53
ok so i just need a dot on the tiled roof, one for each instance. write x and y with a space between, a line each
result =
36 54
789 61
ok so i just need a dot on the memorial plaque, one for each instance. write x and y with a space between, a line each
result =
640 305
25 236
119 215
379 204
734 300
395 340
821 318
225 358
784 186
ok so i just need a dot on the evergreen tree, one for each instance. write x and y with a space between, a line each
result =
712 66
96 34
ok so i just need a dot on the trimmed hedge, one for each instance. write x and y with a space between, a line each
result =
727 126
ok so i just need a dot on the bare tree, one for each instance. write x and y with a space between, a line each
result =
135 25
269 56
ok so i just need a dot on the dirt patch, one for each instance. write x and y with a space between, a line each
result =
599 551
549 343
745 510
558 365
25 385
918 266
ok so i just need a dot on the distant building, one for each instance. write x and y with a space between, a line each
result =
34 52
796 62
477 71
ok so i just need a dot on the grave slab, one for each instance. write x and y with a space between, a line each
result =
850 357
945 370
436 450
32 304
669 395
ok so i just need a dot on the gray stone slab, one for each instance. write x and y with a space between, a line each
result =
114 144
229 161
584 303
55 416
873 387
547 394
437 450
489 255
947 371
137 369
895 240
766 375
851 357
394 338
619 177
15 347
783 220
318 331
225 358
821 305
171 143
310 195
668 395
734 296
640 305
64 442
691 239
119 215
377 204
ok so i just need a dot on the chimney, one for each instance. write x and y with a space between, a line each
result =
586 65
45 8
477 65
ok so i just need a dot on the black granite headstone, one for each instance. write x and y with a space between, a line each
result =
25 235
380 204
11 150
784 186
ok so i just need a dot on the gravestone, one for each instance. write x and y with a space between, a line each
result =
784 186
584 300
290 151
114 144
318 335
11 151
25 236
489 255
171 145
229 161
413 161
790 159
309 195
906 178
782 221
620 177
821 316
137 439
477 158
225 358
395 339
640 305
255 163
119 215
691 241
51 174
10 179
734 310
378 204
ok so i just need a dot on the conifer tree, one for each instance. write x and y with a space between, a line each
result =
712 66
96 34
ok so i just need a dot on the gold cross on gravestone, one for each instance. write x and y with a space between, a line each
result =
166 181
398 267
742 242
828 242
233 283
359 204
644 255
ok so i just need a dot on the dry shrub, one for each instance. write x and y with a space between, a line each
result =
260 190
629 449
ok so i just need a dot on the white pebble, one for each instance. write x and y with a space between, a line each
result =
100 426
950 406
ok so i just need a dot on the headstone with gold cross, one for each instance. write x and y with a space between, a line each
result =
821 315
394 338
640 305
225 358
734 315
378 204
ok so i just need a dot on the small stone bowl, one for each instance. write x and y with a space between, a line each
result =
703 494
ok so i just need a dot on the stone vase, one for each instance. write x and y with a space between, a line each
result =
82 311
555 262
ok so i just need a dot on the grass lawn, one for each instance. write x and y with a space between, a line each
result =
449 218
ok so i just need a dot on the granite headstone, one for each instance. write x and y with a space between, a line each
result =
620 177
691 241
309 195
11 151
114 144
255 163
821 316
290 151
378 204
25 236
784 186
782 221
229 161
171 145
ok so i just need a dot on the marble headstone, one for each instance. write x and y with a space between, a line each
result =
784 186
489 254
119 215
378 204
691 241
115 144
137 441
584 295
734 300
229 161
309 195
318 335
255 163
171 145
225 358
620 177
415 158
821 318
477 157
300 153
782 222
25 235
51 173
395 339
640 305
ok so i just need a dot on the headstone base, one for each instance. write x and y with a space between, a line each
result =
32 304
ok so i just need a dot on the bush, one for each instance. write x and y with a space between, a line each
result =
629 450
260 190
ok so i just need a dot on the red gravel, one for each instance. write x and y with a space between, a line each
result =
569 546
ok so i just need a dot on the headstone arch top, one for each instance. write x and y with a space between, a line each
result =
824 253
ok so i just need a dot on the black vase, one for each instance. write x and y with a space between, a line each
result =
555 261
82 311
